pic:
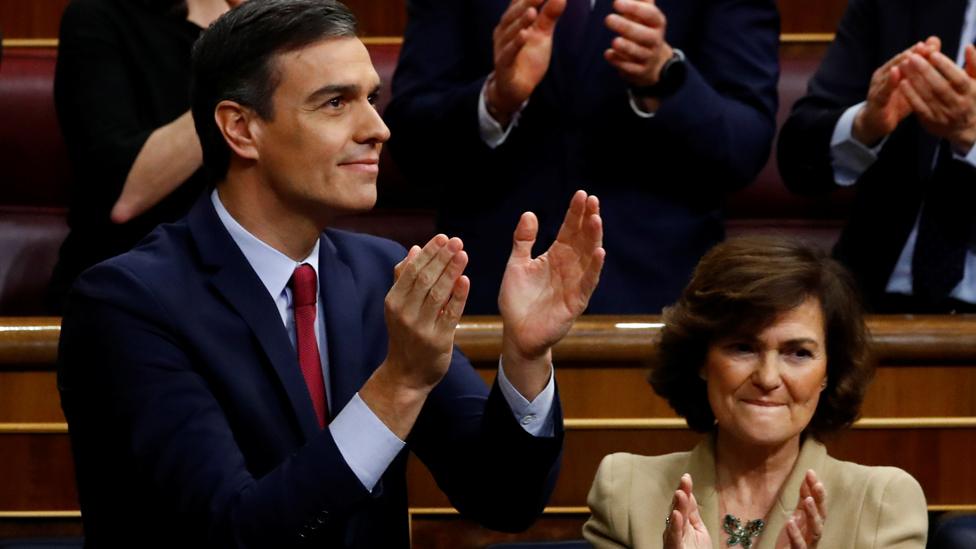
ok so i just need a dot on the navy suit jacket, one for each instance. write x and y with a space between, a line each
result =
191 424
661 181
890 193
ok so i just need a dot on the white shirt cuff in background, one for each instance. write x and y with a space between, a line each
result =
635 106
849 157
491 131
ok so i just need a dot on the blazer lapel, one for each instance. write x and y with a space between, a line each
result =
234 279
343 325
701 467
812 456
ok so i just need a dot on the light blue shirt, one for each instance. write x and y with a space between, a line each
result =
850 159
365 442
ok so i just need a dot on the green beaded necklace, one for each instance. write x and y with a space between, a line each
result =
742 535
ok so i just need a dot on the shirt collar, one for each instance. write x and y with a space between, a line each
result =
272 267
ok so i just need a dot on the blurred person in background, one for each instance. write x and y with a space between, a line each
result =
892 112
122 93
659 108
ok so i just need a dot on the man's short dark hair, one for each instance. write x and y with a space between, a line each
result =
740 287
235 60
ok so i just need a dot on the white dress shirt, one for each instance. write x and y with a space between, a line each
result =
850 159
365 442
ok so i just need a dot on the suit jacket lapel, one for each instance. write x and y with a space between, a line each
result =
943 19
343 325
701 467
233 278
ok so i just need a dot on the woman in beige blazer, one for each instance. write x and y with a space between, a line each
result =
766 353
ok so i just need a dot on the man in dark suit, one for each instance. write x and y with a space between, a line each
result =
660 107
243 379
892 110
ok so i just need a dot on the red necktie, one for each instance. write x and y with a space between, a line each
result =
304 290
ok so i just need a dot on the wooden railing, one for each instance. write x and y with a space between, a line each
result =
919 414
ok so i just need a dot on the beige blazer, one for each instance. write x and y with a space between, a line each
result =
867 507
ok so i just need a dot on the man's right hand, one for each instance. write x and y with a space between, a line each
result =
422 313
886 106
523 47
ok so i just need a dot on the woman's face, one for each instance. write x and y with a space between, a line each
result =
764 388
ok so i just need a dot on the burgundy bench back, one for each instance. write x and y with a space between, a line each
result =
34 175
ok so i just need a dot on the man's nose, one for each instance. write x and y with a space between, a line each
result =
372 128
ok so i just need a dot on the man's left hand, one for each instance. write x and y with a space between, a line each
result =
639 51
541 298
943 96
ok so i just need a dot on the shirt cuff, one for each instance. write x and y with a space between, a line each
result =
536 416
491 131
365 442
969 158
635 106
849 157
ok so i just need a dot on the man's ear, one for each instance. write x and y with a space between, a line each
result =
234 122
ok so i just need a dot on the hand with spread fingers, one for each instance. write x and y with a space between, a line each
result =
522 47
639 50
805 527
423 309
684 528
943 95
541 297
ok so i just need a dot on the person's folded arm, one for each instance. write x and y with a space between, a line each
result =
109 136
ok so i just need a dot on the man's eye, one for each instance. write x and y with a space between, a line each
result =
373 98
336 102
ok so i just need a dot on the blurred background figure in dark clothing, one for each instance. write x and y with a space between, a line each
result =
122 97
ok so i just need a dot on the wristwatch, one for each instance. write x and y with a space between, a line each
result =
672 76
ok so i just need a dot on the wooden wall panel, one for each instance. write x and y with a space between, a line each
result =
39 473
805 17
40 18
440 531
31 18
30 397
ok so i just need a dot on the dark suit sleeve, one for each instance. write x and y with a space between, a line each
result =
436 87
723 116
138 407
491 469
841 81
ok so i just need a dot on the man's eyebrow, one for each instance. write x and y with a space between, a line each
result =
332 89
337 89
